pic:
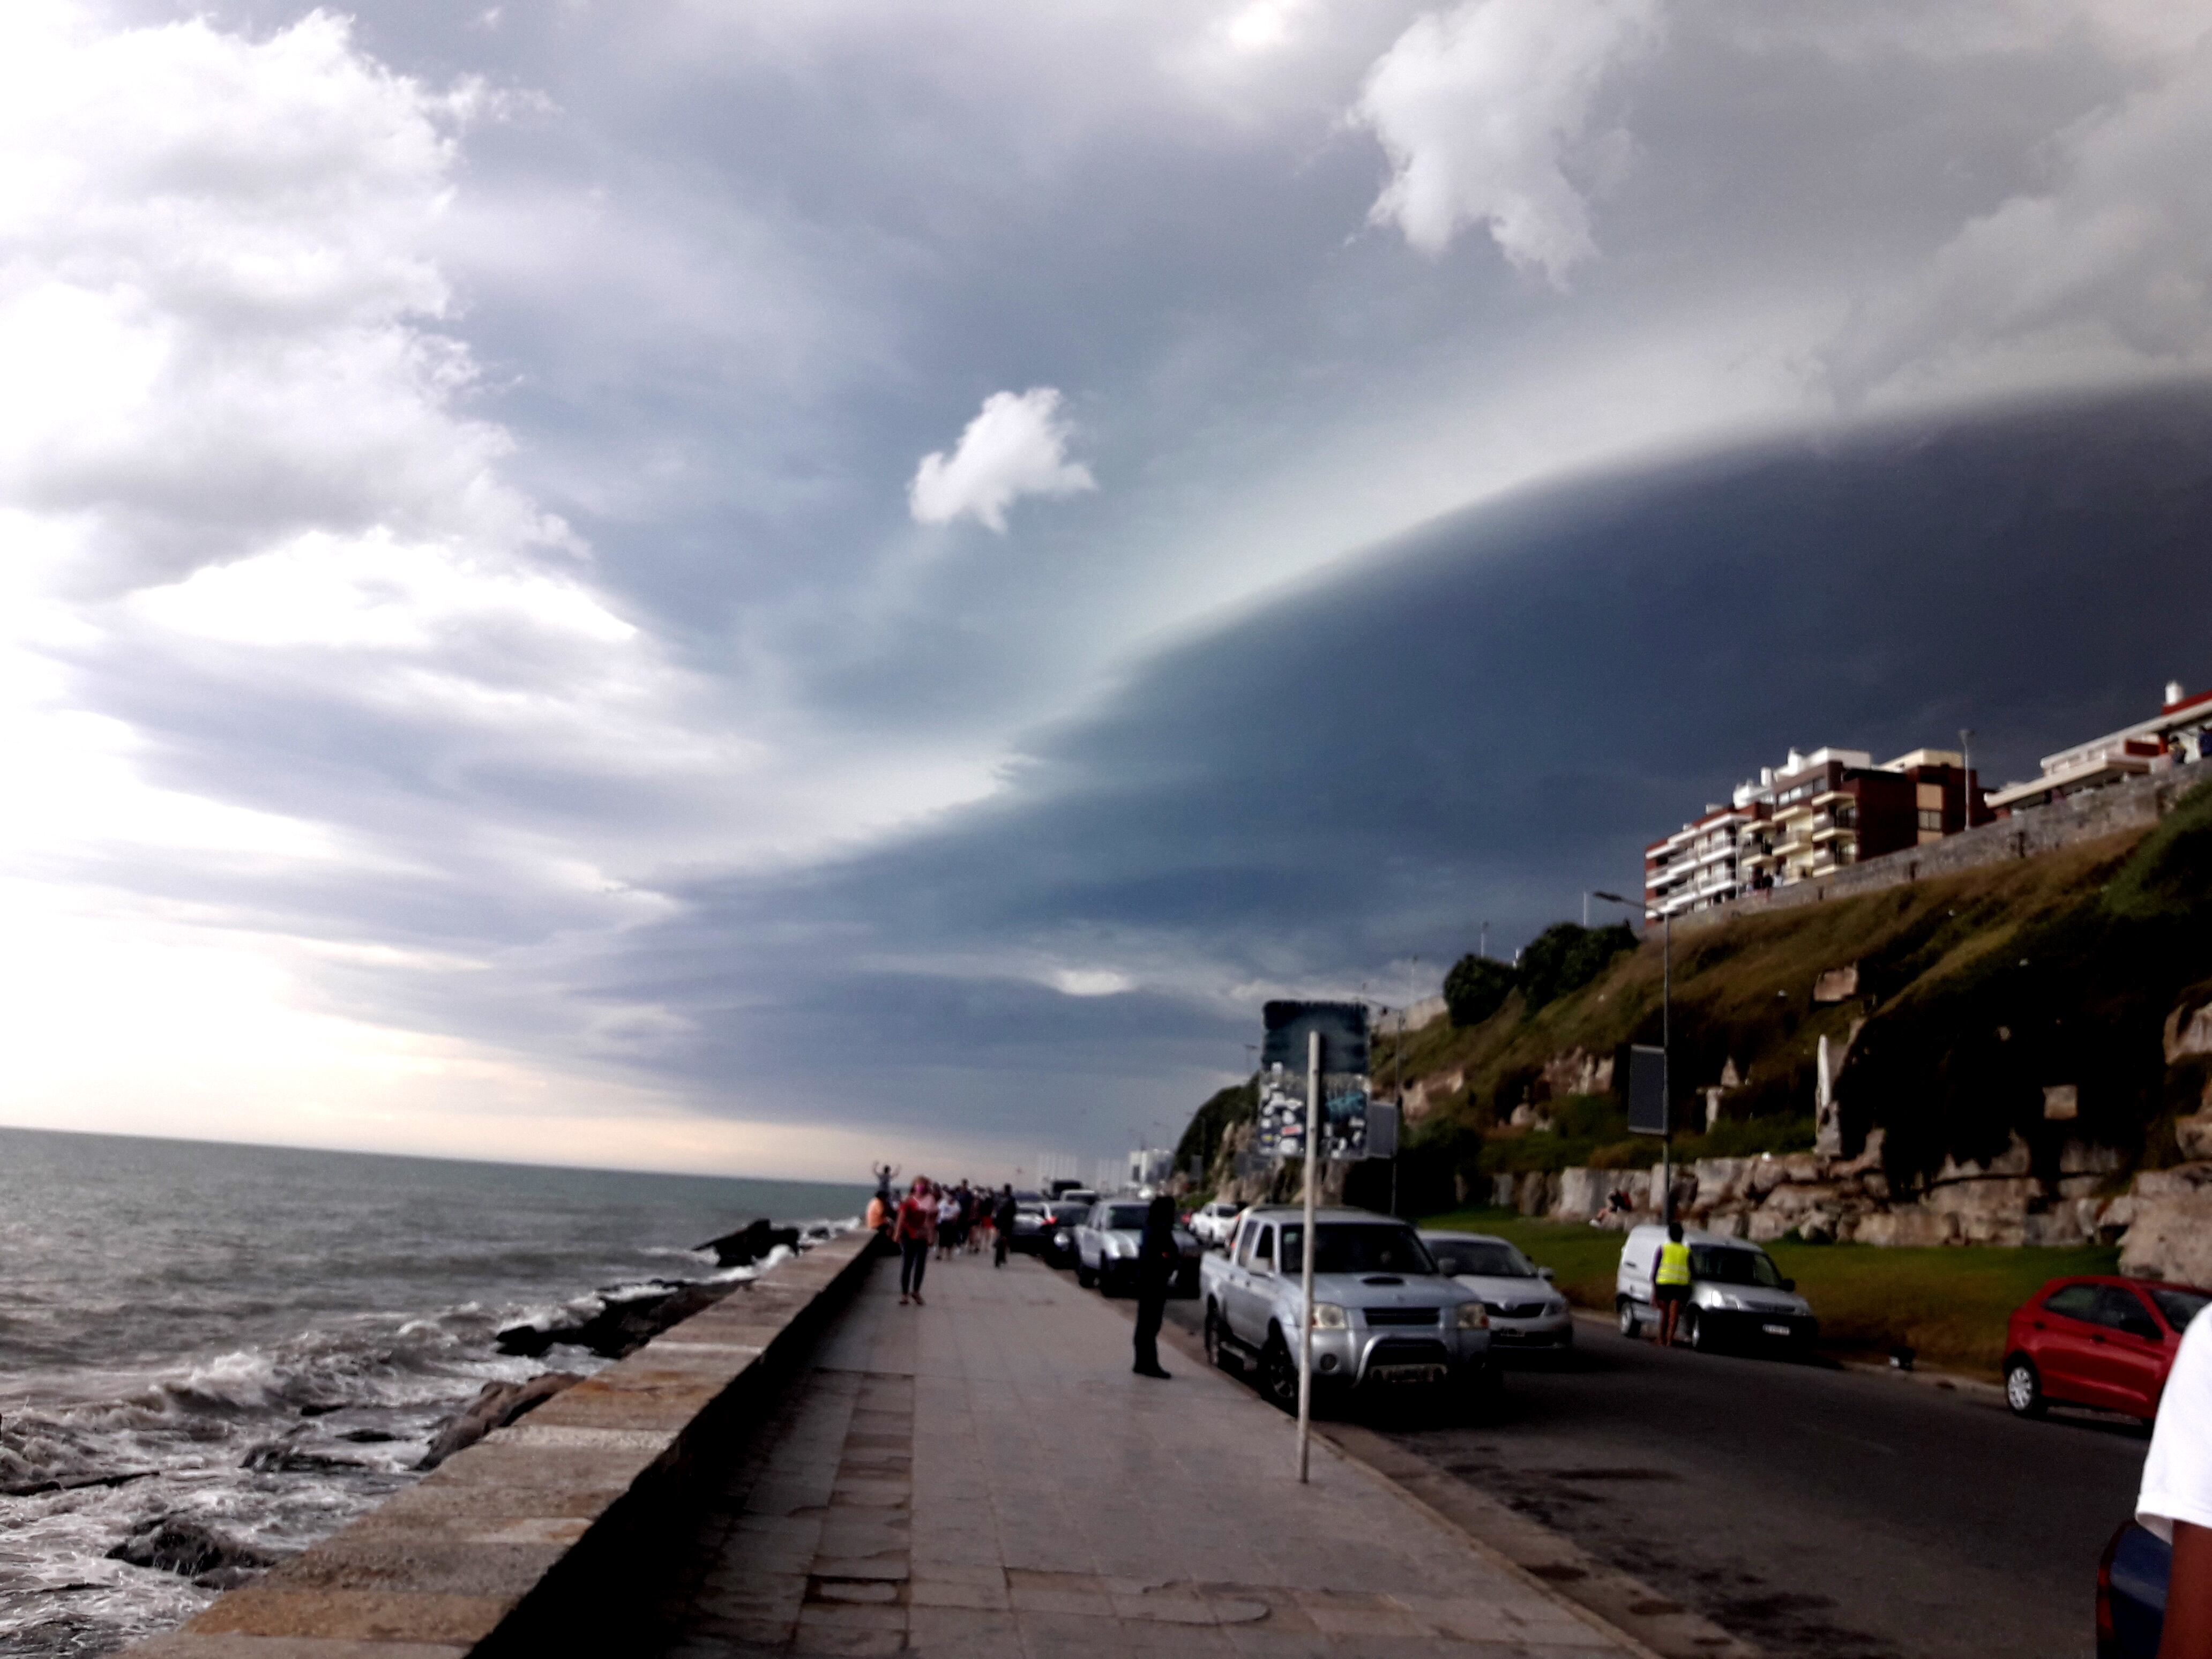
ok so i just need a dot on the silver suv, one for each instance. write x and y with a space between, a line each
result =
1383 1317
1106 1243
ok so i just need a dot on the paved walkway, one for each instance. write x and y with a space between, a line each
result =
984 1477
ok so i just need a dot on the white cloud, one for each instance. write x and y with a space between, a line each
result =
1017 446
1483 110
2107 271
1091 982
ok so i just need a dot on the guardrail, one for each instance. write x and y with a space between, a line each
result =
525 1541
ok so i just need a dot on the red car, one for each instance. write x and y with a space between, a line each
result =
2096 1341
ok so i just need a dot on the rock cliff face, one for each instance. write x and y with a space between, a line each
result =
1849 1200
2170 1233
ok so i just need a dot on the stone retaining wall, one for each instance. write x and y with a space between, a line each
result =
1848 1200
522 1542
2138 804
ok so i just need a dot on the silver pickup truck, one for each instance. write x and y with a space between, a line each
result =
1384 1317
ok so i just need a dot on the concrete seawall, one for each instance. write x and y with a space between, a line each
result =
515 1544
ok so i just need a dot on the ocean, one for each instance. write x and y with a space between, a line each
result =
259 1341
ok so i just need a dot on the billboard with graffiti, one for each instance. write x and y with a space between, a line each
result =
1344 1086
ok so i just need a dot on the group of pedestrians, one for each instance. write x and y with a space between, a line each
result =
948 1220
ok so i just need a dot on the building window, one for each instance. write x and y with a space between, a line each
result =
1931 820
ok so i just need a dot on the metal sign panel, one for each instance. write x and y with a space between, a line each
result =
1343 1085
1647 1090
1382 1129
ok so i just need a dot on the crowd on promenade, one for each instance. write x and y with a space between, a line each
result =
947 1220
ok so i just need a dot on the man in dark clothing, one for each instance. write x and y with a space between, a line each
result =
1002 1225
1158 1259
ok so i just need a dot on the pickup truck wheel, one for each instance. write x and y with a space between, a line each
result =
1278 1372
1630 1325
1084 1276
2023 1388
1217 1355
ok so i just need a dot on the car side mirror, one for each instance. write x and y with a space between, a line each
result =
1544 1274
1788 1284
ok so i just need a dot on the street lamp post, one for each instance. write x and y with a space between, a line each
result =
1965 777
1666 1044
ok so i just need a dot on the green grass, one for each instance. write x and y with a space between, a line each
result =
1949 1305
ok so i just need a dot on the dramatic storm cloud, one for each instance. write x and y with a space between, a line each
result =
501 652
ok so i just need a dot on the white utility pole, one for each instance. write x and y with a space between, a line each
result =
1306 1254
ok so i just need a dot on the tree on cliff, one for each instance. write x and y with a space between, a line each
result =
1211 1123
1565 957
1476 988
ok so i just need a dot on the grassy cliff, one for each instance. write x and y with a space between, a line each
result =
1974 993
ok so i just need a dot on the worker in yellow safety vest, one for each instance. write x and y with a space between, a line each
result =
1670 1282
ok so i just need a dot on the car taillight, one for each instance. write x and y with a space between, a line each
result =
2108 1636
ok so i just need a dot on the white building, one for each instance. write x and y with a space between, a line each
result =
2181 731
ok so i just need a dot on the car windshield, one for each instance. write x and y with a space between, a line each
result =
1066 1215
1481 1260
2179 1307
1357 1247
1125 1218
1722 1264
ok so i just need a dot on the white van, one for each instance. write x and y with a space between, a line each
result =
1737 1295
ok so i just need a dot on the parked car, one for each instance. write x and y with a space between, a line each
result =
1057 1233
1031 1234
1383 1317
2131 1578
2096 1340
1106 1243
1214 1222
1525 1311
1737 1295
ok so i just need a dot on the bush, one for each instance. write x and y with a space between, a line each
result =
1476 988
1565 957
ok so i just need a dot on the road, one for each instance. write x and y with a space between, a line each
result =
1815 1511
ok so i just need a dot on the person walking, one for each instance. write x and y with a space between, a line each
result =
948 1223
1670 1282
1158 1259
915 1229
1002 1226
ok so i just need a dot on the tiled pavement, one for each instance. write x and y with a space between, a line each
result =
984 1476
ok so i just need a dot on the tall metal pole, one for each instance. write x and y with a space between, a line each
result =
1666 1061
1306 1255
1965 777
1397 1090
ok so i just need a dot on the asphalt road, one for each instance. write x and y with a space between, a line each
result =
1809 1510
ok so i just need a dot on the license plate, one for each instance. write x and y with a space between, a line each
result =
1776 1330
1407 1373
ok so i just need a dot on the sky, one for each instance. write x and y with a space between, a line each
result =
756 589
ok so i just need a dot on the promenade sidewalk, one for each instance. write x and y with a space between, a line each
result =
984 1477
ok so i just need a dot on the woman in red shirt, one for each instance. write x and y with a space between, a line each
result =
914 1231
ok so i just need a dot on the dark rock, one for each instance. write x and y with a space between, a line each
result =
278 1457
750 1244
496 1405
190 1547
619 1329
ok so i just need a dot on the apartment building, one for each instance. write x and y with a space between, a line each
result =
2180 731
1812 815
